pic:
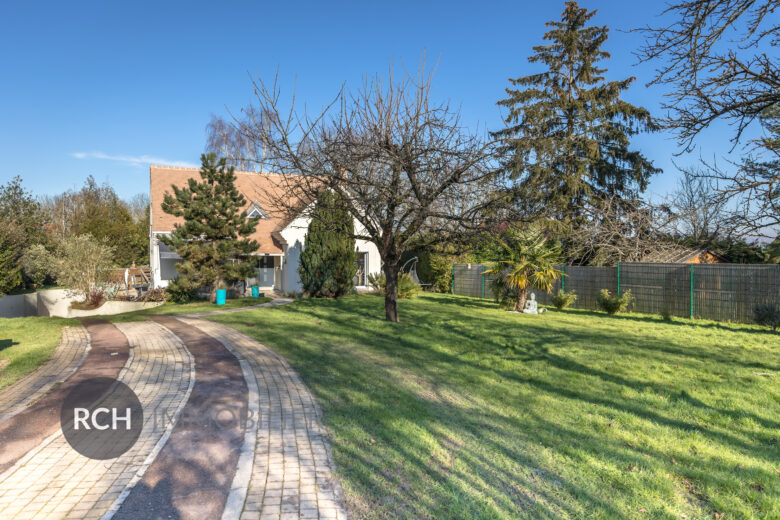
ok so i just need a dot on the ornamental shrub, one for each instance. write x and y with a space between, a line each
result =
614 304
407 288
767 314
561 299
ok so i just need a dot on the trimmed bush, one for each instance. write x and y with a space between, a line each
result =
407 288
561 299
328 261
614 304
768 315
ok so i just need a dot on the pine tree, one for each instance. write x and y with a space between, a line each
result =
566 143
214 240
328 261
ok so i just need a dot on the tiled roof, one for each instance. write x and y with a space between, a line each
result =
252 185
678 255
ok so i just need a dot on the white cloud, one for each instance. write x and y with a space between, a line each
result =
135 160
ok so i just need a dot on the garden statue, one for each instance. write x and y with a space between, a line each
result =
531 305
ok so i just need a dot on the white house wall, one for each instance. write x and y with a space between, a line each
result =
295 236
154 261
163 269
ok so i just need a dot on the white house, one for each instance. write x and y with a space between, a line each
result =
280 237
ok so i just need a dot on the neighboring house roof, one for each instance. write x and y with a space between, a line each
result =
684 255
255 187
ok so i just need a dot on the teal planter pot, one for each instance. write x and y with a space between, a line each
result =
255 291
221 296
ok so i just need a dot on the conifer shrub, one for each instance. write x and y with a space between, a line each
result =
328 260
182 290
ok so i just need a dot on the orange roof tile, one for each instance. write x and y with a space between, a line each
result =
255 187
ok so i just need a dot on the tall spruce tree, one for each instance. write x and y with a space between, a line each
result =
566 140
328 261
214 239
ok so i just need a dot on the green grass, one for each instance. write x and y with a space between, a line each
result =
463 411
27 343
186 308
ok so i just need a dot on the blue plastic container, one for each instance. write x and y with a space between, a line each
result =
255 291
221 296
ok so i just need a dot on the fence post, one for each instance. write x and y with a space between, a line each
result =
453 279
483 282
563 279
618 279
691 291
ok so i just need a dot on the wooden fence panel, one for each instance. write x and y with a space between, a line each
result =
658 288
587 283
721 292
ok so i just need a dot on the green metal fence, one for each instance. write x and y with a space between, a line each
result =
722 292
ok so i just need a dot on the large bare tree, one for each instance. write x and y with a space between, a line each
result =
718 58
411 173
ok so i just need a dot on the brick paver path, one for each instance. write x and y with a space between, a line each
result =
54 481
65 359
291 476
191 476
27 429
275 464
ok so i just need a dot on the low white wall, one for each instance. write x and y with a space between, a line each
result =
111 308
19 305
56 302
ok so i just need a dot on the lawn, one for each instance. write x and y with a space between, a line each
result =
463 411
27 343
186 308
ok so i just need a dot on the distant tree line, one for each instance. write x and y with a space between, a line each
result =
41 238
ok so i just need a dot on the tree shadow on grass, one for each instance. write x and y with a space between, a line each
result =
6 343
483 455
679 321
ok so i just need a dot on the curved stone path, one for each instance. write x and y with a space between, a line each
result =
66 484
66 358
266 455
27 429
292 471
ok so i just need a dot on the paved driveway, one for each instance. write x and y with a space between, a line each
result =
229 431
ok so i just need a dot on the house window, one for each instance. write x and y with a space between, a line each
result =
266 262
362 263
255 211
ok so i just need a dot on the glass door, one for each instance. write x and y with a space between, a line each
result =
360 276
265 274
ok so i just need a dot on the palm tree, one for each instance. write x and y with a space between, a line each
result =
522 258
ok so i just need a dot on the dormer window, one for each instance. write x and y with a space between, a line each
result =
255 211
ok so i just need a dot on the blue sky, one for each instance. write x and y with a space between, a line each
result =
104 88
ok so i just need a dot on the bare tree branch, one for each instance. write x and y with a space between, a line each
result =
410 171
719 57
